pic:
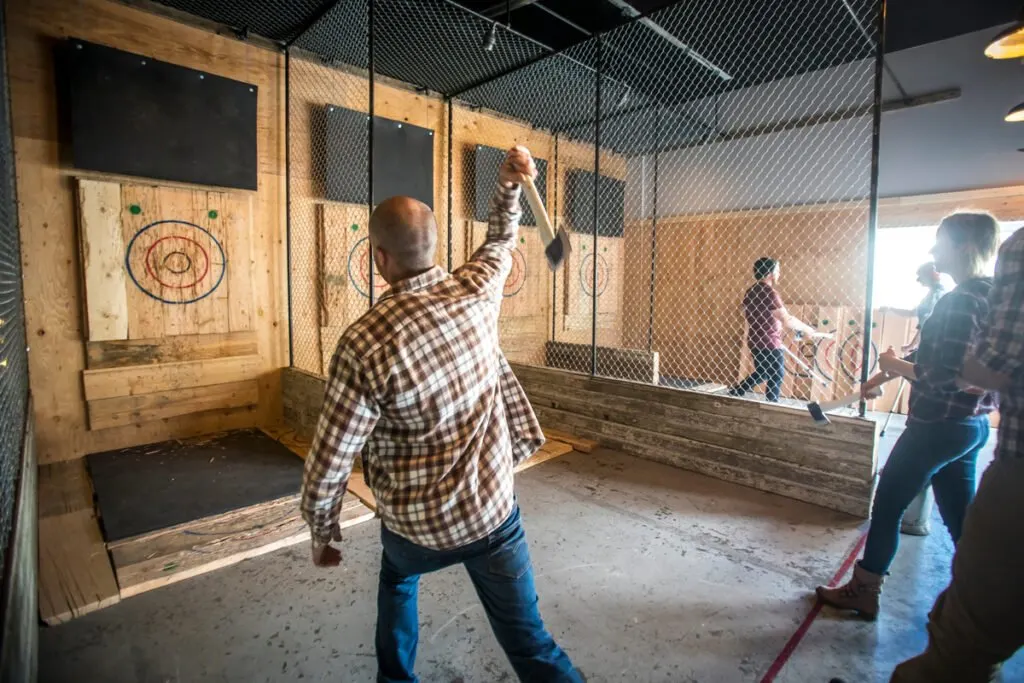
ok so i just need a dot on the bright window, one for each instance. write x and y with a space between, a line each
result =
898 253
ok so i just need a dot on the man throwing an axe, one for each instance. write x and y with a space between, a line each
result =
420 383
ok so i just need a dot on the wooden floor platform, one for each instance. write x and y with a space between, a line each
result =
80 571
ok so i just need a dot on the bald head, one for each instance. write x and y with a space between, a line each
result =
406 231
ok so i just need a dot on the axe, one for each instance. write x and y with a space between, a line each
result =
556 246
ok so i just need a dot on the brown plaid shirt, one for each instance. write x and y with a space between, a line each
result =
1001 344
420 383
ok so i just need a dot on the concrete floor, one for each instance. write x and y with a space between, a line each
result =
645 573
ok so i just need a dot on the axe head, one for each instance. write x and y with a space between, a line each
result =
558 250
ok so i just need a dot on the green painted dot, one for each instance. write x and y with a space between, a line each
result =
605 249
874 325
824 322
584 247
212 213
135 209
355 227
522 240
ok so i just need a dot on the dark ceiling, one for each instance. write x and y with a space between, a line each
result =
676 58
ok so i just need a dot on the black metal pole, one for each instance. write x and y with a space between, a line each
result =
876 132
450 194
369 130
654 230
597 177
554 275
288 199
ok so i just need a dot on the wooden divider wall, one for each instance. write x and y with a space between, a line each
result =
110 330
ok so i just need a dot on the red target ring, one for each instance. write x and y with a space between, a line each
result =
587 274
517 276
360 255
153 268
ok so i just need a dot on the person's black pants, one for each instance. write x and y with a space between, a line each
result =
770 368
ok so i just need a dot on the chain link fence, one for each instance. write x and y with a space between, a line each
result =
675 150
13 357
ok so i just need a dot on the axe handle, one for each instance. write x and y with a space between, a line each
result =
547 233
840 402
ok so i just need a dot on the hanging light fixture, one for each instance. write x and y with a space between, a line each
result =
1015 115
491 39
1009 44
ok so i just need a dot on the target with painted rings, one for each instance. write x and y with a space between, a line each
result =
359 269
517 276
175 262
587 274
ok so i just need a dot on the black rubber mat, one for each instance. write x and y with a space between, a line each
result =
146 488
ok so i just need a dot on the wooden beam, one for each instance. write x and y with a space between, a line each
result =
75 577
826 117
135 410
577 442
167 556
119 354
148 379
106 296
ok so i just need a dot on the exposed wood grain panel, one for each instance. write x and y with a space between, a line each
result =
209 209
148 379
344 265
236 218
768 447
140 205
75 576
634 364
133 410
579 443
117 354
64 487
99 211
168 556
48 206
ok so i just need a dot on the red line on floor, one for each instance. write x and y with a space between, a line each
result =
790 647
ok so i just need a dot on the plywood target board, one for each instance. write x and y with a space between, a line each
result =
179 260
345 264
525 291
581 285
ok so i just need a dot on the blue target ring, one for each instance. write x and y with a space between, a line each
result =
587 271
135 277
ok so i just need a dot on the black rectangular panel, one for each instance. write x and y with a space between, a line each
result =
611 198
145 488
133 115
486 161
403 157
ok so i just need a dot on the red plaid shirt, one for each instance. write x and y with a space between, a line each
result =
420 383
1001 344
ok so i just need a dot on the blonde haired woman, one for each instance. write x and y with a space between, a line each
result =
946 427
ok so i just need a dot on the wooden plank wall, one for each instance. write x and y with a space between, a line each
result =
771 448
66 335
324 233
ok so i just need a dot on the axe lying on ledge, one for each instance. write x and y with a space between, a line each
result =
556 246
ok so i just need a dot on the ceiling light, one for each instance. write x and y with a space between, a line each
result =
491 39
1015 115
1009 44
624 100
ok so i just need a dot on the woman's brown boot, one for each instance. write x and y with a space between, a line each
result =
860 594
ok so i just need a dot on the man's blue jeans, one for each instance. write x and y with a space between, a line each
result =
499 566
943 453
